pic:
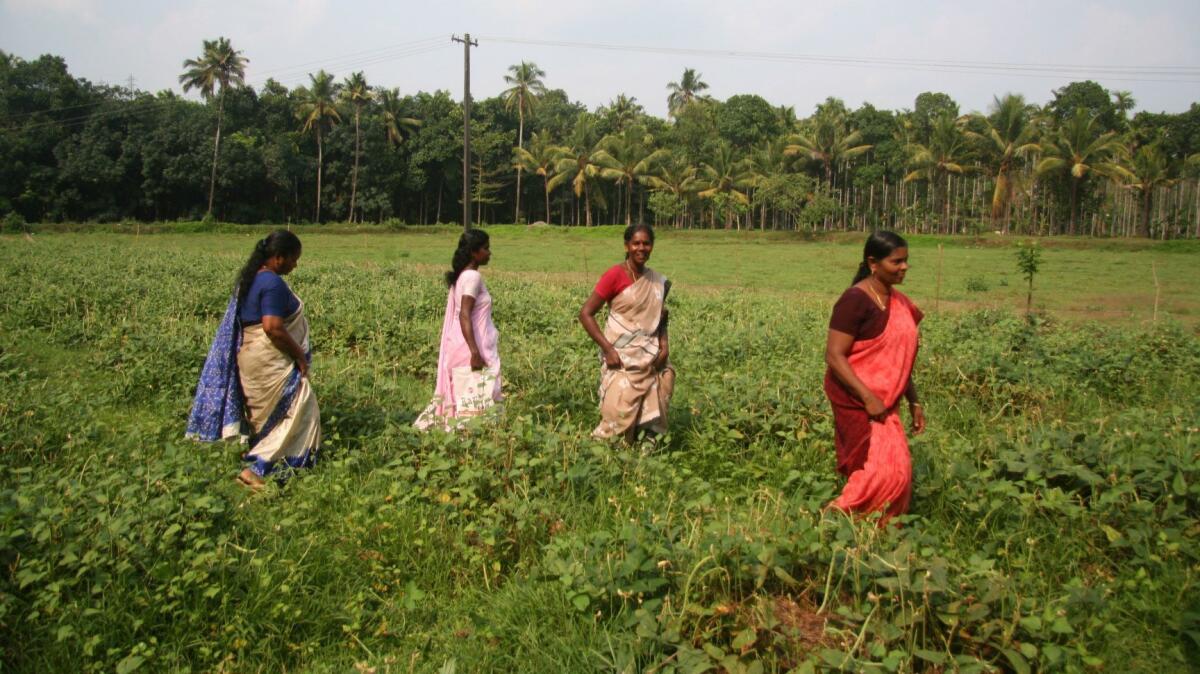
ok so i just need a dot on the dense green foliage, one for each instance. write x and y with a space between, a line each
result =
1053 524
349 150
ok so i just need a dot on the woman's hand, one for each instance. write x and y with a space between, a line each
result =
477 362
302 365
875 407
612 359
660 361
918 418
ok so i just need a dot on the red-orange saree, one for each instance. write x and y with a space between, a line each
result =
874 454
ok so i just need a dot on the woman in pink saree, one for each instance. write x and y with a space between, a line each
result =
468 373
870 351
636 378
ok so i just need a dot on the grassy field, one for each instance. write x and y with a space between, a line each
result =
1109 281
1053 525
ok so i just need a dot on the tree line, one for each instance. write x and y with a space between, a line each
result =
352 151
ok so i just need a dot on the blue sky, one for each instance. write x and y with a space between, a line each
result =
111 40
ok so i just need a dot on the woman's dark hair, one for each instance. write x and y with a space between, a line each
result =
638 227
279 242
471 241
879 245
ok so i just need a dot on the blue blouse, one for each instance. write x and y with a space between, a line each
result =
268 296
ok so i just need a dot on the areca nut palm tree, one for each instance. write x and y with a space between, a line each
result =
357 94
764 163
219 67
942 156
685 92
1080 148
627 158
829 142
1009 134
527 86
1150 171
540 159
317 112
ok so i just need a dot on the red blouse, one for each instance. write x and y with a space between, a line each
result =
613 282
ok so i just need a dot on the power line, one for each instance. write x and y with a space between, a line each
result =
1127 73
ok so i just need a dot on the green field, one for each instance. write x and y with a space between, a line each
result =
1055 503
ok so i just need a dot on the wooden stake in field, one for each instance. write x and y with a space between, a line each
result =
937 293
1157 290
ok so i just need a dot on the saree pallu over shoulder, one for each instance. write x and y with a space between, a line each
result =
874 455
637 395
217 412
282 406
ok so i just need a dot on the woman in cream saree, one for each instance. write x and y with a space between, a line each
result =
636 378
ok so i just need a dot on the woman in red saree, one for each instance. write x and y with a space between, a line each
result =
870 351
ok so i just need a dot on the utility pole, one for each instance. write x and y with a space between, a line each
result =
466 198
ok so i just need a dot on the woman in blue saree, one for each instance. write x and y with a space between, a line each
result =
256 374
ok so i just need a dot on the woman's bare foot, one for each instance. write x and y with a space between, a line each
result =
249 479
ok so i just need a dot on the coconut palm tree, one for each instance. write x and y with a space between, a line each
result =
622 111
674 176
577 163
828 141
1079 148
540 158
357 94
527 86
219 67
943 156
1008 135
627 158
685 92
1150 170
317 112
1123 101
395 124
724 175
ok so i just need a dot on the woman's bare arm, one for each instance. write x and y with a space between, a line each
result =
837 356
587 317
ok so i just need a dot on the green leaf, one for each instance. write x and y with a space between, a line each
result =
931 656
745 639
1179 485
1112 534
1019 664
130 664
581 601
713 652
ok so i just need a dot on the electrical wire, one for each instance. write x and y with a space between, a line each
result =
1126 73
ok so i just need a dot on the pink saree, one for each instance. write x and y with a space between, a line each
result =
462 392
874 454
